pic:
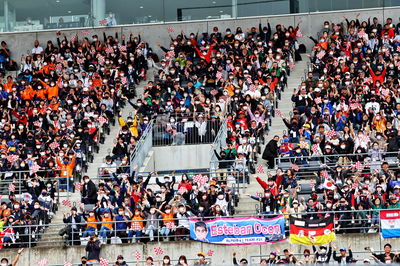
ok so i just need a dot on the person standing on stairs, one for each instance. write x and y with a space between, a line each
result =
271 152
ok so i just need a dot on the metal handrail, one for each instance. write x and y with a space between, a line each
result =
137 157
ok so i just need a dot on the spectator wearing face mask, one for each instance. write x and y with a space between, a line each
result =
4 261
137 225
322 256
73 226
168 224
89 191
182 222
106 226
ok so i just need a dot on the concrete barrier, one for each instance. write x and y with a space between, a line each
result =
222 254
20 42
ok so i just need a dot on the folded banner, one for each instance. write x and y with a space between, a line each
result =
309 232
238 231
390 223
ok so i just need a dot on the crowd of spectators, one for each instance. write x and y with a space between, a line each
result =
343 133
200 81
54 115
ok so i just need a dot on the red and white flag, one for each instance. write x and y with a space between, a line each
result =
78 186
11 188
294 167
137 255
278 112
359 166
398 48
303 144
54 145
318 100
203 179
101 59
299 33
102 120
66 203
12 158
210 253
182 190
124 80
43 262
315 148
109 50
330 133
67 263
170 54
219 75
74 38
260 169
85 32
103 262
34 168
328 184
103 22
158 251
320 54
122 48
170 30
196 178
249 80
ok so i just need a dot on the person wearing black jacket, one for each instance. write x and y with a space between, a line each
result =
271 152
73 222
322 256
265 32
385 256
93 248
343 258
243 261
89 191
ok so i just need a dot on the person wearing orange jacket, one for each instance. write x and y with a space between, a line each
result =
52 89
28 93
91 225
40 92
9 84
106 226
67 171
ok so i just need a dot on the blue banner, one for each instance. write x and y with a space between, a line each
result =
238 231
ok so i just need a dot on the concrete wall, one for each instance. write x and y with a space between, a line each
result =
178 158
222 254
20 43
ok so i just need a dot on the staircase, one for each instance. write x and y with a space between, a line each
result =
246 204
51 237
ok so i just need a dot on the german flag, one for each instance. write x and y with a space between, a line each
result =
312 232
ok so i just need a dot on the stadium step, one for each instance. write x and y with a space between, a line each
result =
51 233
246 204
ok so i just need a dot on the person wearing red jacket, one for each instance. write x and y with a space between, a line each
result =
377 76
271 185
206 55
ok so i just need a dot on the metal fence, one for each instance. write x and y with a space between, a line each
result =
21 181
184 132
314 162
142 147
171 229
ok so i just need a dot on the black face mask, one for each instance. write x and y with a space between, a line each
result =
84 262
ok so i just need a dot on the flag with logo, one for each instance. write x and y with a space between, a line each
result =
390 223
312 232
